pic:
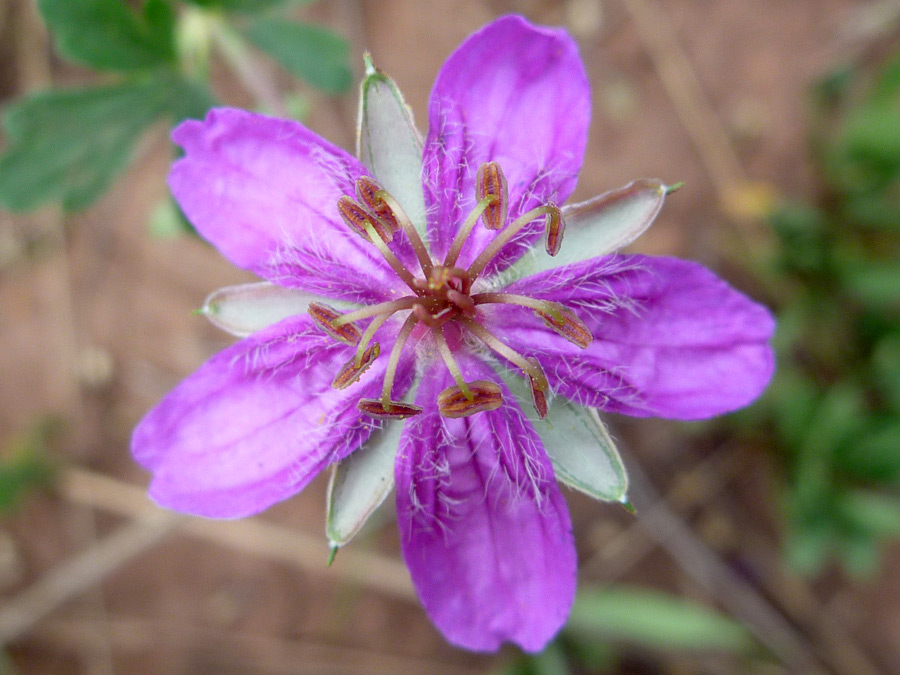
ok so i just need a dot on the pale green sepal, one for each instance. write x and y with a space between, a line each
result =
360 483
246 308
599 226
583 454
389 144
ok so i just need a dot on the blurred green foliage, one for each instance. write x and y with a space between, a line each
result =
835 273
603 619
26 463
68 145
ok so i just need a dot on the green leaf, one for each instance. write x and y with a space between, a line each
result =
247 6
872 454
870 512
654 619
69 145
877 284
25 463
189 99
310 52
106 34
551 661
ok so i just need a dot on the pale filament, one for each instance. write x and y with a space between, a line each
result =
450 362
495 343
544 306
504 236
406 224
460 239
389 256
394 359
373 310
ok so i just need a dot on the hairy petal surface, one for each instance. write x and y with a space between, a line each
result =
256 423
670 338
515 94
264 192
485 531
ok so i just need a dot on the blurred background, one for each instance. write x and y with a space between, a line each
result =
764 542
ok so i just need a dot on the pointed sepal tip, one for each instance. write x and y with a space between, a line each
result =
332 553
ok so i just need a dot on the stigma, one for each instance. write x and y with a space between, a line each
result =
440 304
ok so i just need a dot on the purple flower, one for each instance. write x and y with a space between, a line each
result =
403 286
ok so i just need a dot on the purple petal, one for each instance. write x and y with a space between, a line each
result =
515 94
264 192
670 338
256 423
485 531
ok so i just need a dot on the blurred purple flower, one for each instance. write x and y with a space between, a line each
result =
358 312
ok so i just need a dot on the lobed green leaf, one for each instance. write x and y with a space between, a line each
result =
68 145
107 35
311 53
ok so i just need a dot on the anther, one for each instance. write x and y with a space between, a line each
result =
564 322
360 220
369 193
354 368
393 410
490 182
555 227
483 395
324 315
539 387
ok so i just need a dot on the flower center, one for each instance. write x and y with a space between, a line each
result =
442 293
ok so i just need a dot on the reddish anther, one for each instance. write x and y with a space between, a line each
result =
369 193
352 371
555 227
490 182
394 410
357 218
539 388
564 322
484 395
324 315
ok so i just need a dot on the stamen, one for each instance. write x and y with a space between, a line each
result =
490 182
325 316
354 368
568 325
552 308
452 366
555 226
367 192
388 255
394 359
367 335
372 310
412 234
359 220
538 389
510 354
397 410
466 229
504 236
484 395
